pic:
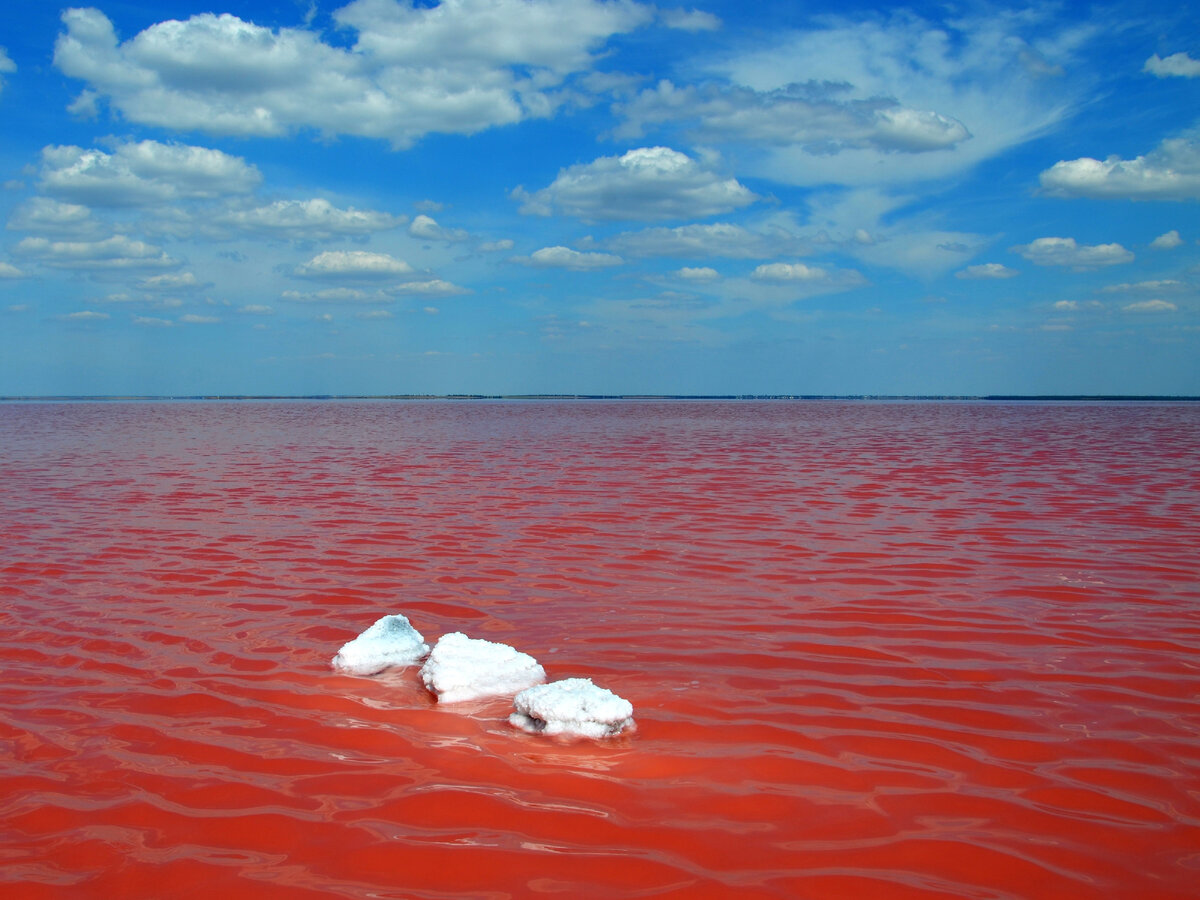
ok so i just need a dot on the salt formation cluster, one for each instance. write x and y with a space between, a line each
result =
572 706
462 668
392 641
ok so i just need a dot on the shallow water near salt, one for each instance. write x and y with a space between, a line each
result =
901 650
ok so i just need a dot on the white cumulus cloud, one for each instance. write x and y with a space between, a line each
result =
1057 251
457 67
1077 306
698 273
114 253
315 219
986 271
354 265
783 272
646 184
8 270
777 286
43 215
433 287
557 36
1150 306
566 258
1169 172
170 281
1167 241
426 228
143 173
1177 64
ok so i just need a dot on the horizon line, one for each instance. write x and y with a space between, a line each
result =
92 398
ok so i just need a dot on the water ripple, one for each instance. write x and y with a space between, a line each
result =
901 650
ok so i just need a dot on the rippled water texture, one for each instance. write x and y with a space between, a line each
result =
874 650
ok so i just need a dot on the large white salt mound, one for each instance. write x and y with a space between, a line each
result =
463 668
573 706
391 641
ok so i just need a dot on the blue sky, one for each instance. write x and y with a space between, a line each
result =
575 196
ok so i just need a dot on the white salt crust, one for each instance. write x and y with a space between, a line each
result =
392 641
463 668
573 706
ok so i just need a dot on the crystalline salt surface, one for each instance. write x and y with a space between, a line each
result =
463 668
573 706
392 641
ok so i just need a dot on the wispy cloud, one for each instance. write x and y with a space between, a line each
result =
7 66
338 295
1154 286
816 117
886 99
697 241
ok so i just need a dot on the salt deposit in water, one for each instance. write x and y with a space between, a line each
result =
463 668
392 641
573 706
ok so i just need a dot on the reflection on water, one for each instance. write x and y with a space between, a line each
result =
899 650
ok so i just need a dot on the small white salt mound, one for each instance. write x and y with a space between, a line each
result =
573 706
391 641
463 668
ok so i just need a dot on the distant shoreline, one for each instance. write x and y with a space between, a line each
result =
1009 398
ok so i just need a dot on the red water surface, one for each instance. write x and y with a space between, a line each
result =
940 650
